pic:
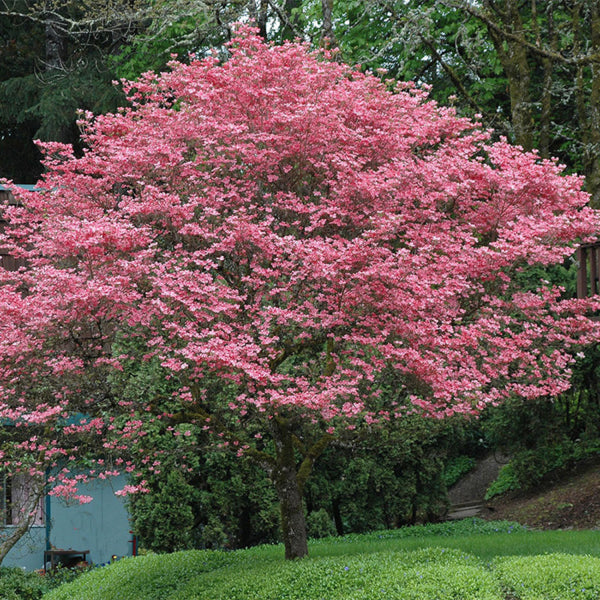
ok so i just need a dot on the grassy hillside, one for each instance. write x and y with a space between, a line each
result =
467 560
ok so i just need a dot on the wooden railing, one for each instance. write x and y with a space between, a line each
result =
588 272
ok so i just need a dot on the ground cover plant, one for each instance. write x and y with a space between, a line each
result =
466 560
554 576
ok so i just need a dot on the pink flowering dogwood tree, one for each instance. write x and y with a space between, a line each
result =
278 233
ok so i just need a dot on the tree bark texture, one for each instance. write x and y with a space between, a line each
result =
515 62
285 476
327 36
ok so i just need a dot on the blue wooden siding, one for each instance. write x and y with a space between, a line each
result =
102 527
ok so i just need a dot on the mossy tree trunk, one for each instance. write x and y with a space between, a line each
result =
285 477
514 58
289 479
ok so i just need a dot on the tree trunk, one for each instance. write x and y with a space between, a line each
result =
327 36
514 59
592 170
337 516
55 47
285 476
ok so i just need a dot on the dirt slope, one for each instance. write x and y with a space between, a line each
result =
572 502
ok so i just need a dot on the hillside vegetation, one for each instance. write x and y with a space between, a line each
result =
465 560
569 502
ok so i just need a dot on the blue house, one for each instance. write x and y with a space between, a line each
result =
99 528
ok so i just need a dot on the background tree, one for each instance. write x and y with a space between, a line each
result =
394 476
49 71
529 68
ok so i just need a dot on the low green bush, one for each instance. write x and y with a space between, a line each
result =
319 524
528 468
549 577
445 561
430 573
506 481
445 528
455 468
153 576
61 575
16 584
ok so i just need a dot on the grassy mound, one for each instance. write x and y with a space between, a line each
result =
408 564
433 573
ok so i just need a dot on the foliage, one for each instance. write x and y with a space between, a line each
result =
463 527
61 575
456 467
48 74
164 520
220 501
546 437
528 468
389 575
506 481
506 62
399 576
15 584
537 86
392 478
319 524
550 577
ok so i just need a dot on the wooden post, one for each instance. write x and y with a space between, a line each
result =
593 270
582 272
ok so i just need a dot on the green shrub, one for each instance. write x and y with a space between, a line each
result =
198 575
531 466
374 570
446 529
149 577
319 524
528 468
163 519
550 577
61 575
505 482
455 468
16 584
454 581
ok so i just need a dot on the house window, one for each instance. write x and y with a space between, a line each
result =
21 494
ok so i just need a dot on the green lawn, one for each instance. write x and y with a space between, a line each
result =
468 560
